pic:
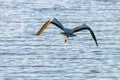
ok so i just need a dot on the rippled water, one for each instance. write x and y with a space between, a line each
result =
24 56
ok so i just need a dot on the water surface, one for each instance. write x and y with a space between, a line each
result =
24 56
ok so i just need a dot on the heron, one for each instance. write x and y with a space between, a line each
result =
66 31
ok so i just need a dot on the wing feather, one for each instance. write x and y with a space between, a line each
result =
53 21
43 28
85 27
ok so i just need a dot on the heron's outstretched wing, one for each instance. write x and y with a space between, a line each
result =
53 21
85 27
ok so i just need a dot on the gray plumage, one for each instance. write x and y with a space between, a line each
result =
67 32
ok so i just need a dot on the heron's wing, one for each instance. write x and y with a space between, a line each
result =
43 27
85 27
53 21
58 24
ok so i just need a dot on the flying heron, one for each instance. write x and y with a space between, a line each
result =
67 32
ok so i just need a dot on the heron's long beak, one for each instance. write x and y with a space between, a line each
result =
65 39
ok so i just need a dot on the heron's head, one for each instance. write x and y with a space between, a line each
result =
65 38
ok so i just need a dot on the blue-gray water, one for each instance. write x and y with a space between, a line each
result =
24 56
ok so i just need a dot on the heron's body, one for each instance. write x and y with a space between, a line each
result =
67 32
